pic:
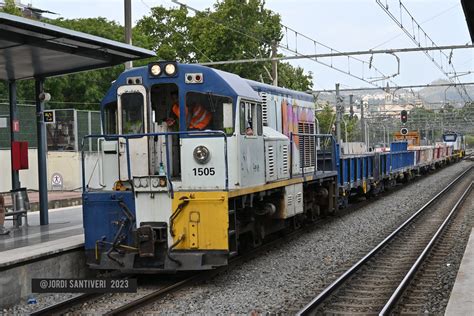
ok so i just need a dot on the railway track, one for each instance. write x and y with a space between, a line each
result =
151 296
75 303
375 284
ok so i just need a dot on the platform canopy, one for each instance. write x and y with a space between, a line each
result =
33 49
468 7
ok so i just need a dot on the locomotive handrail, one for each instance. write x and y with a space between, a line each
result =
127 137
316 136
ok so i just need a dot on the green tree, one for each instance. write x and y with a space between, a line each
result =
235 29
10 8
167 33
81 90
326 118
294 77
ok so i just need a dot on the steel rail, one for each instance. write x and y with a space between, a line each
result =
411 273
318 300
65 305
152 297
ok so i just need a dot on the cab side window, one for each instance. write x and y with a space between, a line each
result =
206 111
110 118
251 119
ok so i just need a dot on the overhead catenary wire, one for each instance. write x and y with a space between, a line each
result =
417 38
293 51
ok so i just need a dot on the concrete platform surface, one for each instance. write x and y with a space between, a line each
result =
64 232
461 300
56 199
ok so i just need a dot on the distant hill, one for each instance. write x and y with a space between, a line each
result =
433 97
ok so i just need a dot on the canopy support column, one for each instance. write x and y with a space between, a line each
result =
14 130
42 171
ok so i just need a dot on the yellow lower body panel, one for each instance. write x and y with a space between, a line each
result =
201 220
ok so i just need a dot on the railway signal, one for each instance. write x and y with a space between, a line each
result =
403 116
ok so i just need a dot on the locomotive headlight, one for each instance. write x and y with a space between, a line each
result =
155 70
201 154
170 69
144 182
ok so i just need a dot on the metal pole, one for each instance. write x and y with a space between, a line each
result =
384 133
362 124
345 128
14 130
338 115
367 135
317 129
42 171
128 28
274 64
351 105
339 54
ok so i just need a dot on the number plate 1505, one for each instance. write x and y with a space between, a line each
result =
199 172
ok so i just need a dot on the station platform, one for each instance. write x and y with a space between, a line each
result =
35 251
461 300
63 233
56 199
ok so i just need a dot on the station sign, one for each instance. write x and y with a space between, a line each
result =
57 182
16 126
49 116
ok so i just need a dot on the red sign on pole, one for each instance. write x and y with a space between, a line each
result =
16 126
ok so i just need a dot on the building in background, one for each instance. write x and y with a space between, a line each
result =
27 10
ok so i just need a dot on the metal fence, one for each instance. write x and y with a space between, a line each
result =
65 134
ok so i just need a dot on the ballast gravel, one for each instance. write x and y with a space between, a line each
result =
285 278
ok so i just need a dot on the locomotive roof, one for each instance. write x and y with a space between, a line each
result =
222 82
263 87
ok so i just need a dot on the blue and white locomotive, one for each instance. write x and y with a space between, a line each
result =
177 198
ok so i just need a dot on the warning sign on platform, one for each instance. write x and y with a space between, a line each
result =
57 181
49 116
16 126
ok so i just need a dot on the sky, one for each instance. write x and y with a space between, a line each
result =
344 25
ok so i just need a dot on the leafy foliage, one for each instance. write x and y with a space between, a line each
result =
235 29
326 119
167 33
294 78
10 8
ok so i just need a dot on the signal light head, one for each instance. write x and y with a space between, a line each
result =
403 116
